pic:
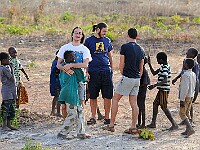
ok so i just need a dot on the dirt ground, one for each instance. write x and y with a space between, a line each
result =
37 125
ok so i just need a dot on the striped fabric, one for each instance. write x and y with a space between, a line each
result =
164 72
161 99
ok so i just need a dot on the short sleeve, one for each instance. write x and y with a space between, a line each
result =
61 52
86 53
6 72
110 47
122 51
20 65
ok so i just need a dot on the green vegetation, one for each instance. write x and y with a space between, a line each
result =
31 64
30 146
14 122
149 27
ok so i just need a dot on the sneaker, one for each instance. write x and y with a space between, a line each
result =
106 121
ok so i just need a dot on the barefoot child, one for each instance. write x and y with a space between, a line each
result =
22 96
144 81
186 94
55 87
8 91
163 86
69 96
191 53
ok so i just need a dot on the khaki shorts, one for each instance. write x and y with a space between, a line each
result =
128 86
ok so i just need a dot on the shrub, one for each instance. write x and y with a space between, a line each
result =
30 146
67 16
16 29
31 64
196 20
13 122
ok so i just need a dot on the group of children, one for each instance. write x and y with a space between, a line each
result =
13 91
188 91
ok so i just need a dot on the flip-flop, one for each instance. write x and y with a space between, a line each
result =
131 131
108 128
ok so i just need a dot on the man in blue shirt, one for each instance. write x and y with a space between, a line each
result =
100 70
131 67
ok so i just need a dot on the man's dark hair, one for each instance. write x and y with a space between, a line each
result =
162 55
189 62
193 51
132 33
100 26
3 55
83 38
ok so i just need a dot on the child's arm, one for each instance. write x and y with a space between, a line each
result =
9 73
176 78
154 72
25 74
150 87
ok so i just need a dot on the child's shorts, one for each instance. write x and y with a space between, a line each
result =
161 98
8 109
55 91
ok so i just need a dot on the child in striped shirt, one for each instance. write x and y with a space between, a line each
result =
163 86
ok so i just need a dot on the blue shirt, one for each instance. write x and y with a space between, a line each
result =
54 78
99 49
133 54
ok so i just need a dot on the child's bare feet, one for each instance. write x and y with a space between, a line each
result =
58 115
52 113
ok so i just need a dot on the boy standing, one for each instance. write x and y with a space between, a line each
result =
21 99
191 53
163 85
8 91
144 81
55 87
186 94
69 97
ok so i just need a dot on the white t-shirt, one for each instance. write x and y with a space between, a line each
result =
80 49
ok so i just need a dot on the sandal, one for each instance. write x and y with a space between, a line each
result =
131 131
92 121
108 128
83 136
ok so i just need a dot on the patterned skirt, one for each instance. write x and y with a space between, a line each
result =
21 94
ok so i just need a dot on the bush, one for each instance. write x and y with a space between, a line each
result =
67 16
29 146
196 20
16 29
